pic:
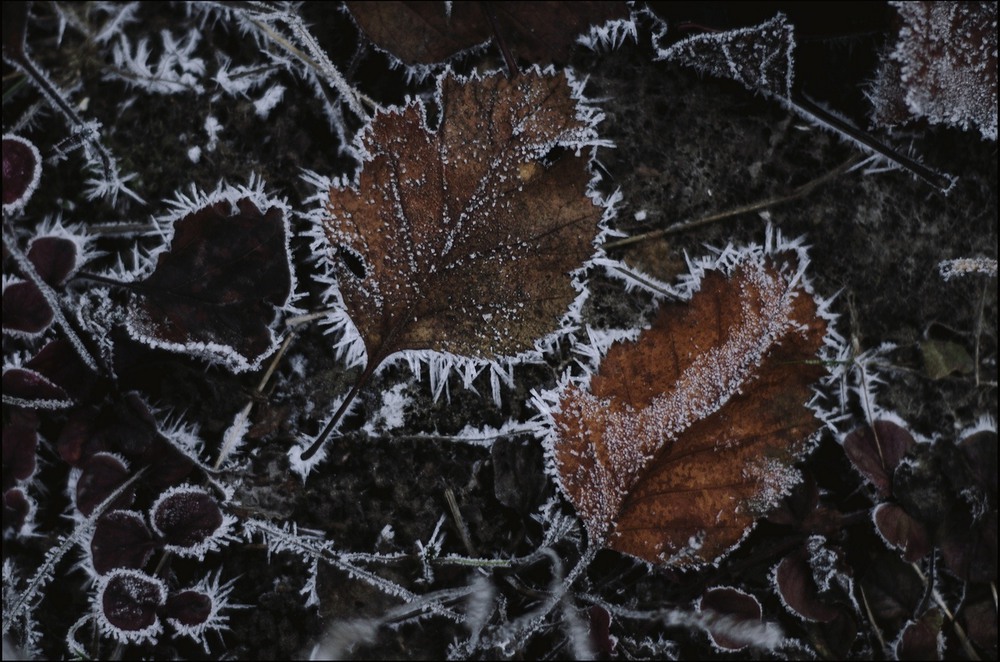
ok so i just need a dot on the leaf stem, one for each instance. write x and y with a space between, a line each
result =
512 70
332 423
28 270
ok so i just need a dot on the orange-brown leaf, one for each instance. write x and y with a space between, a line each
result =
462 239
688 434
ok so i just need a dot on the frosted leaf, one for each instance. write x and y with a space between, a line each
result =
22 170
126 604
710 403
190 522
461 239
758 57
947 55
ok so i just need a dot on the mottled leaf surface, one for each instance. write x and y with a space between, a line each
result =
688 434
462 238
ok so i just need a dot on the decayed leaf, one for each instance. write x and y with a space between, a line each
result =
431 32
689 434
759 57
463 238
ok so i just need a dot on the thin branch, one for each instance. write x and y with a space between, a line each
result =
795 194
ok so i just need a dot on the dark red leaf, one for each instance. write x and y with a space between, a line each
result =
795 584
60 363
76 439
130 599
737 607
16 508
102 474
979 618
601 639
189 607
215 291
32 387
54 258
22 168
921 639
901 531
20 439
121 540
875 451
969 532
187 517
168 465
969 548
25 309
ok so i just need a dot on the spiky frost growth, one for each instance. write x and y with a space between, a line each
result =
217 620
19 605
22 628
176 71
610 35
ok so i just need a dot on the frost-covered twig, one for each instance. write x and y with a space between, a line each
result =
51 298
265 13
46 571
759 205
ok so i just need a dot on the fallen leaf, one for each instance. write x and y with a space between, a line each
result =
736 608
430 32
215 292
690 433
758 57
943 66
901 531
876 451
22 169
943 358
921 639
463 238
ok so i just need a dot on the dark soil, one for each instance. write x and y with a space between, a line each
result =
686 146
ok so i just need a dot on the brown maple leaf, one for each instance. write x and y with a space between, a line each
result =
463 238
690 433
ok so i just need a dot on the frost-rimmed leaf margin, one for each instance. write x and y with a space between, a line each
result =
213 542
218 593
440 365
145 264
725 260
147 634
609 35
31 185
